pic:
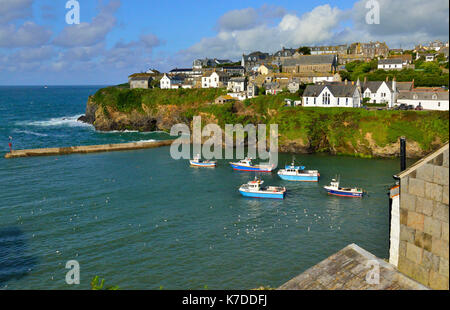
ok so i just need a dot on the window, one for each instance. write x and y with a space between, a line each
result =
434 96
346 101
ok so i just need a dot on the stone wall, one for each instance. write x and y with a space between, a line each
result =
424 221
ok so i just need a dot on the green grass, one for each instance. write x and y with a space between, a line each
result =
341 129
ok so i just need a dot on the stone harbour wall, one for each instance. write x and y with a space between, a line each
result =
424 221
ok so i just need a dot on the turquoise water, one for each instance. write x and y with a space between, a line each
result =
142 220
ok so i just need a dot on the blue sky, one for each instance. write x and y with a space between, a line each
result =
118 37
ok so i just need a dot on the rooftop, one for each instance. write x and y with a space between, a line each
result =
347 270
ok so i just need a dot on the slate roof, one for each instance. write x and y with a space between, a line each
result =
310 60
141 78
338 90
348 270
423 95
182 70
390 61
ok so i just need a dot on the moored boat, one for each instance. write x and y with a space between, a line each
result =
336 190
298 173
247 165
198 162
254 189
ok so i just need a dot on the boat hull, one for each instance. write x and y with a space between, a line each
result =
250 168
344 194
299 178
262 195
203 165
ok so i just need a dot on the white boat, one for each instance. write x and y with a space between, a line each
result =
246 165
254 189
199 162
336 190
298 173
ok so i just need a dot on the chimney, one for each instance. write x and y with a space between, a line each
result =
345 82
365 79
387 78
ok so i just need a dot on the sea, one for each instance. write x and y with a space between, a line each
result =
142 220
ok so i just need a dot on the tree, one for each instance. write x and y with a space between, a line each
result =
304 50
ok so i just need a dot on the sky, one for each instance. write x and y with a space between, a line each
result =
116 38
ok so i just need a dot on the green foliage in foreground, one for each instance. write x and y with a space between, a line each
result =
96 286
127 100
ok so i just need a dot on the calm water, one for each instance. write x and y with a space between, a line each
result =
142 220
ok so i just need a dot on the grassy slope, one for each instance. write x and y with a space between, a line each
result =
340 125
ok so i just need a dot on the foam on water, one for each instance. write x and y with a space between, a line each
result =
68 121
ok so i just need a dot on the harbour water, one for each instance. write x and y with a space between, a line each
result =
142 220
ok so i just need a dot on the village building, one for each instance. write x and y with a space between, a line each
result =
255 59
233 70
265 69
283 53
406 58
273 88
384 92
215 80
252 90
326 50
140 81
293 86
369 50
310 64
209 63
224 99
172 82
390 64
237 84
427 100
346 95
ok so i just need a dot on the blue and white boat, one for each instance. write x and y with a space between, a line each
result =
198 162
254 189
336 190
246 165
298 173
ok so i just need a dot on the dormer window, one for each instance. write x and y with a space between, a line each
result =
434 96
415 97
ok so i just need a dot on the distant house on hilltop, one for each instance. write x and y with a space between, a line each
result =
140 81
390 64
254 60
171 82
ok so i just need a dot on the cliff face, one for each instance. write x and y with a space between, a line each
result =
342 131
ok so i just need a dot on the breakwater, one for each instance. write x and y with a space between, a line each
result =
87 149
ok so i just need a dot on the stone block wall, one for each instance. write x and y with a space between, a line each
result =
424 221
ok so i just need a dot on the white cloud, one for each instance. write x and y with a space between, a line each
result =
27 35
313 27
88 34
14 9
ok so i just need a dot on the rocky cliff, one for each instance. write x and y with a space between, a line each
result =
353 132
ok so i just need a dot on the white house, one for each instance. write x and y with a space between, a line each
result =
390 64
332 95
428 100
384 92
214 80
237 84
172 82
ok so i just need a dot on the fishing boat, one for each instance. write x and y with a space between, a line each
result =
336 190
246 165
298 173
198 162
254 189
